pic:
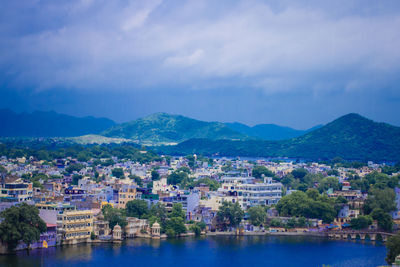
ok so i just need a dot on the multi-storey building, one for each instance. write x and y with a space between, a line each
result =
136 226
49 211
74 226
189 200
125 194
18 191
248 193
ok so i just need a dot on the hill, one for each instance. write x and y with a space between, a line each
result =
49 124
350 137
97 139
268 131
162 128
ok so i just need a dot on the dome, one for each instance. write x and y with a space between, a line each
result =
155 225
117 227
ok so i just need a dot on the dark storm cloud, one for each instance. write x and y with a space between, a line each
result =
281 61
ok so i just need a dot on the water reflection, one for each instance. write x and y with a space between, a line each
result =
204 251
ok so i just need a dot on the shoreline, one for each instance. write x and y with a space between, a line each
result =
267 234
204 234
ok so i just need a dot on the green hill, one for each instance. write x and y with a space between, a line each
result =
268 131
97 139
49 124
350 137
162 128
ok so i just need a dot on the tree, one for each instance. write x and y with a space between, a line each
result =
380 198
300 204
3 171
313 193
83 156
170 232
191 161
275 223
177 211
384 219
74 168
329 182
184 169
258 171
333 172
158 211
227 167
302 187
155 176
21 223
393 248
361 222
229 214
257 215
291 223
299 173
213 184
117 172
177 177
76 178
177 225
137 208
114 216
137 180
195 229
287 180
202 225
302 222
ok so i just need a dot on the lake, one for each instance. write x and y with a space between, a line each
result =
208 251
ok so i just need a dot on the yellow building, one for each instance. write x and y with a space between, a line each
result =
124 195
17 191
74 226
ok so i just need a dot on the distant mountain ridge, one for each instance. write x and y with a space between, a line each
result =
163 128
350 137
49 124
268 131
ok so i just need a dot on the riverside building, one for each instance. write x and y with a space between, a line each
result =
74 226
248 192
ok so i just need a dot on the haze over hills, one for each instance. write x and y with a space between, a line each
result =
49 124
268 131
351 137
162 128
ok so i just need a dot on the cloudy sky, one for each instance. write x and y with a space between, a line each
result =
294 63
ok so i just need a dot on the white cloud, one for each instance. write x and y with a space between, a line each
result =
188 60
137 18
139 44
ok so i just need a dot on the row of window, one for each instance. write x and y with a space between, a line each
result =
262 195
77 225
81 217
124 196
263 188
77 234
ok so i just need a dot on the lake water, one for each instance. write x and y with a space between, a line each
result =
207 251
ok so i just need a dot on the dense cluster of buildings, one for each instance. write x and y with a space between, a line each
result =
71 207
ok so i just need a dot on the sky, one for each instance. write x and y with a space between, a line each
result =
292 63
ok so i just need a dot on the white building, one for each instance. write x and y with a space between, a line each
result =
249 193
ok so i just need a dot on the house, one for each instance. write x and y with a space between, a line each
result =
17 190
248 193
101 227
74 226
136 227
125 194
